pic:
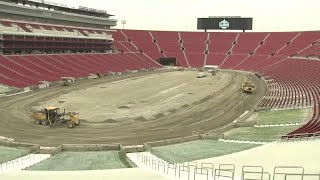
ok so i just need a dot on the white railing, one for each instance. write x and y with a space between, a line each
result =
207 171
23 162
187 170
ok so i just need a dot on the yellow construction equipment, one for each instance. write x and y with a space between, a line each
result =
247 86
51 115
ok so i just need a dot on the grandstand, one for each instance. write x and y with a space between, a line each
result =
174 117
279 57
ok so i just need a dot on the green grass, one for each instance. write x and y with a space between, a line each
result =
282 117
196 150
9 153
75 161
265 134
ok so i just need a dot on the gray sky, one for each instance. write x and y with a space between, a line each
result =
268 15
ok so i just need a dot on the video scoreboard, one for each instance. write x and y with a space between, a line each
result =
225 23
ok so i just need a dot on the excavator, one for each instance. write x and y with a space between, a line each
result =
50 115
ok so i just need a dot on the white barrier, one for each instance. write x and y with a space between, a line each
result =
187 170
23 162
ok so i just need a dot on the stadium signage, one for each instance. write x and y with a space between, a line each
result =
225 23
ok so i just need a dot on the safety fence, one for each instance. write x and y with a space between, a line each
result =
208 171
23 162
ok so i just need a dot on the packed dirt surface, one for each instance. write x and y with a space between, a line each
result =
139 98
132 109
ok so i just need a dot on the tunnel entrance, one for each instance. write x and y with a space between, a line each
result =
168 61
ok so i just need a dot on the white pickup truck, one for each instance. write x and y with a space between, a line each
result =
201 75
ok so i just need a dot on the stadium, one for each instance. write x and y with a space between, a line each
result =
82 96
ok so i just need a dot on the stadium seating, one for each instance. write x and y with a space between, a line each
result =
51 29
145 42
313 50
233 60
299 86
194 45
170 44
290 82
280 57
248 42
275 42
300 43
30 70
221 42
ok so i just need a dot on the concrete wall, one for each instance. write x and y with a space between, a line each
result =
173 141
211 136
52 151
245 124
91 147
32 148
131 149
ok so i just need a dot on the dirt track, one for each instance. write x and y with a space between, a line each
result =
131 109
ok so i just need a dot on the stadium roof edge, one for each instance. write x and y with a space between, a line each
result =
54 25
47 4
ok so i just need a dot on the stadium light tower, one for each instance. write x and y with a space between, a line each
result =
123 22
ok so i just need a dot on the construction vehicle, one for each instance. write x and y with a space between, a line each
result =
99 75
212 71
66 81
247 86
201 69
201 75
51 115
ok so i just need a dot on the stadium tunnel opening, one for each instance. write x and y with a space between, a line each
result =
168 61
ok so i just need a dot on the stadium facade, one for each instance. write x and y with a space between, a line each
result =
55 27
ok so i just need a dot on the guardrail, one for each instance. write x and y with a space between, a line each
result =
22 162
207 171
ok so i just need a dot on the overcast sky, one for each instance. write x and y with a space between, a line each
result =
268 15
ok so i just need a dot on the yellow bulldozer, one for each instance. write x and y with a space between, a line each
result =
51 115
247 87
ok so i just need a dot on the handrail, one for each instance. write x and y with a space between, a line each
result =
21 163
227 171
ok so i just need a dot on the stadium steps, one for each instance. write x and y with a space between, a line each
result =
194 44
247 43
221 43
275 42
169 43
300 42
230 51
154 164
